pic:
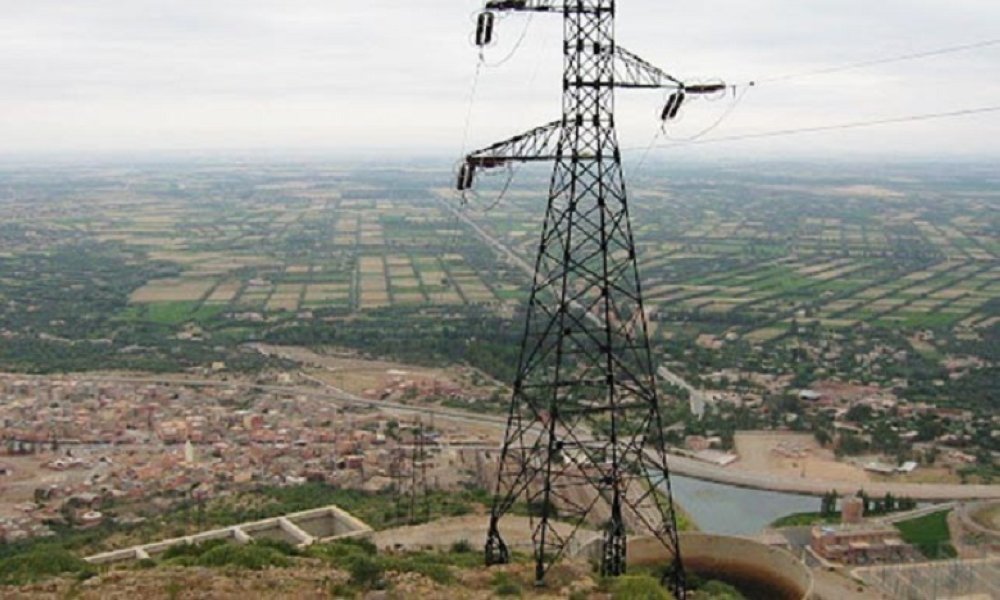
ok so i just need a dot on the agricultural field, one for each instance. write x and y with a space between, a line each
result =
144 256
756 253
805 271
286 244
329 253
880 276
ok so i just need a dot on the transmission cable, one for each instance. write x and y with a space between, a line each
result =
738 95
513 51
838 126
881 61
744 88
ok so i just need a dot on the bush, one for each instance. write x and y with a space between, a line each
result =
434 566
365 570
341 551
42 562
223 553
638 587
461 547
505 585
191 550
279 546
718 590
251 557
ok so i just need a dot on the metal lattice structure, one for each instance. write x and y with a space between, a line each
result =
584 440
408 470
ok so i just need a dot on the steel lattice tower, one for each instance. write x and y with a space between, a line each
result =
584 440
411 495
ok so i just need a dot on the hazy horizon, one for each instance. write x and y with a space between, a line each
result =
392 78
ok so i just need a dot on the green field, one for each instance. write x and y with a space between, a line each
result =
929 534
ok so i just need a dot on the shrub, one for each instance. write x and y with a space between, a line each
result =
192 550
365 570
505 585
719 590
638 587
432 566
279 546
340 552
42 562
251 556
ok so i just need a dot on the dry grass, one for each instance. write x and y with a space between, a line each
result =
373 299
224 293
288 289
322 292
765 334
449 297
409 298
371 264
283 303
172 290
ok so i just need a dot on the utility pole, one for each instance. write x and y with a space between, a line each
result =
584 440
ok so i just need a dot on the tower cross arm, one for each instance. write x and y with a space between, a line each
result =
631 71
553 6
538 144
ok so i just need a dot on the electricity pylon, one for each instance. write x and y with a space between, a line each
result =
584 440
409 475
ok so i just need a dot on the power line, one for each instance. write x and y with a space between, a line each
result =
882 61
513 51
838 126
825 71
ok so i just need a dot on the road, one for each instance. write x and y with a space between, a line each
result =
928 492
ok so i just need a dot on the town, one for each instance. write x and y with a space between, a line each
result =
74 445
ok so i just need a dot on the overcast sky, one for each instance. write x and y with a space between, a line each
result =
329 75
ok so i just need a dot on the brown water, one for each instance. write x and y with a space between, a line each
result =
751 582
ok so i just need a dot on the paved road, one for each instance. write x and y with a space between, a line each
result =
812 487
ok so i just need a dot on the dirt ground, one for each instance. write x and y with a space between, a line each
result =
989 517
803 457
836 586
355 375
471 528
29 474
923 475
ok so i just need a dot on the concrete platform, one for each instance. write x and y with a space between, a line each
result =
300 529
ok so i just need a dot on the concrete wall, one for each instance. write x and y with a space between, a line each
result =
301 529
741 558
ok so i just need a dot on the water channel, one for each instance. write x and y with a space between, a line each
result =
730 510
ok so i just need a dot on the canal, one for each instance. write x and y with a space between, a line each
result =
729 510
